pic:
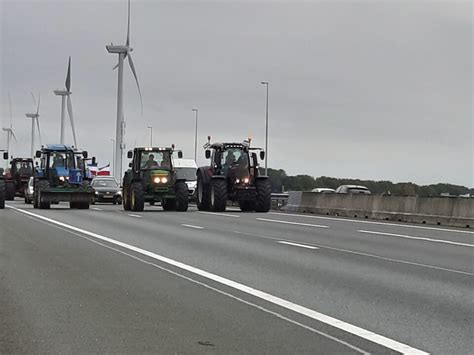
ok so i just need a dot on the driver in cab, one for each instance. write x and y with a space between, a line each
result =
151 163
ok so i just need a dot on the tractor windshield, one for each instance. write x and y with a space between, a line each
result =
61 160
23 168
235 161
151 160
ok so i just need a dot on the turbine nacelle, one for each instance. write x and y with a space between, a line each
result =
32 115
118 49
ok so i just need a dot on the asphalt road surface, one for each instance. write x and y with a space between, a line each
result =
106 280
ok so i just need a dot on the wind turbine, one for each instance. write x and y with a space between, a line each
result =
66 93
124 52
34 117
10 133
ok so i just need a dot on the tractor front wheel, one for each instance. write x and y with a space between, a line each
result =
9 190
2 194
41 201
126 198
218 195
182 196
203 195
263 201
137 199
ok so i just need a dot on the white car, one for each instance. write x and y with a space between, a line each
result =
186 169
352 189
323 190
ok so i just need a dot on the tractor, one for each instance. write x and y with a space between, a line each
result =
2 184
16 179
152 178
62 176
234 175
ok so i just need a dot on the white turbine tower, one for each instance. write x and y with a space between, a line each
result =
34 117
66 94
9 130
123 53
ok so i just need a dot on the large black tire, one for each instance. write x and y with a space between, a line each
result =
126 198
246 206
168 204
9 190
263 201
203 195
182 196
41 202
218 195
2 194
137 199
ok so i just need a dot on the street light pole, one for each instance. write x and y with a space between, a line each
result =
151 135
113 153
195 134
266 130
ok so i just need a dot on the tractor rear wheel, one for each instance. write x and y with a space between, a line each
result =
2 194
41 201
246 206
137 200
182 196
218 195
263 201
203 195
9 190
126 198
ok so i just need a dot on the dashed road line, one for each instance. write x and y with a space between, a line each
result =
292 223
135 215
192 226
297 245
220 214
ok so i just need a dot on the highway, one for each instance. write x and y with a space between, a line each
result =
106 280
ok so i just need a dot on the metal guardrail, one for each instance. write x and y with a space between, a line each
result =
279 200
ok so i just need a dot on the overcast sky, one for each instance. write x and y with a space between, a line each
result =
361 89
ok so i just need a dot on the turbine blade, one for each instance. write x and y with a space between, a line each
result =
128 25
39 100
13 135
116 66
68 76
39 131
71 118
132 67
34 99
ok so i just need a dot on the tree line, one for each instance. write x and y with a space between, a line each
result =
280 181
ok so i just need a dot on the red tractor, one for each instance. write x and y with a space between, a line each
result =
16 178
233 174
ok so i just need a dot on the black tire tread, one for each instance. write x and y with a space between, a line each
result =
220 195
263 201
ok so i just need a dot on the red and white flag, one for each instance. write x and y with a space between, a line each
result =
104 171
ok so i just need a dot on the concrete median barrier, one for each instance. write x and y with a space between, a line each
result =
448 211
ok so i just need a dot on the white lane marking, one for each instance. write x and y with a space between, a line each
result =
297 245
191 226
97 208
336 323
365 254
134 215
372 222
417 238
293 223
220 214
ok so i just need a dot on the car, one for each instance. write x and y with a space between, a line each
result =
352 189
106 190
186 169
29 190
323 190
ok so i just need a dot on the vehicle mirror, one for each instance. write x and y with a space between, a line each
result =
38 153
5 155
84 154
130 164
129 154
93 160
208 154
180 154
262 154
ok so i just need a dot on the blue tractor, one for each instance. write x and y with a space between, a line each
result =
62 176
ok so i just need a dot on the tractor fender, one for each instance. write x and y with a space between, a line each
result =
264 177
218 177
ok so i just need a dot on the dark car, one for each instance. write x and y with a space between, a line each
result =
106 190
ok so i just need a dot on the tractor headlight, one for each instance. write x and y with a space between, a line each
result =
246 180
157 180
164 180
237 181
61 178
119 192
